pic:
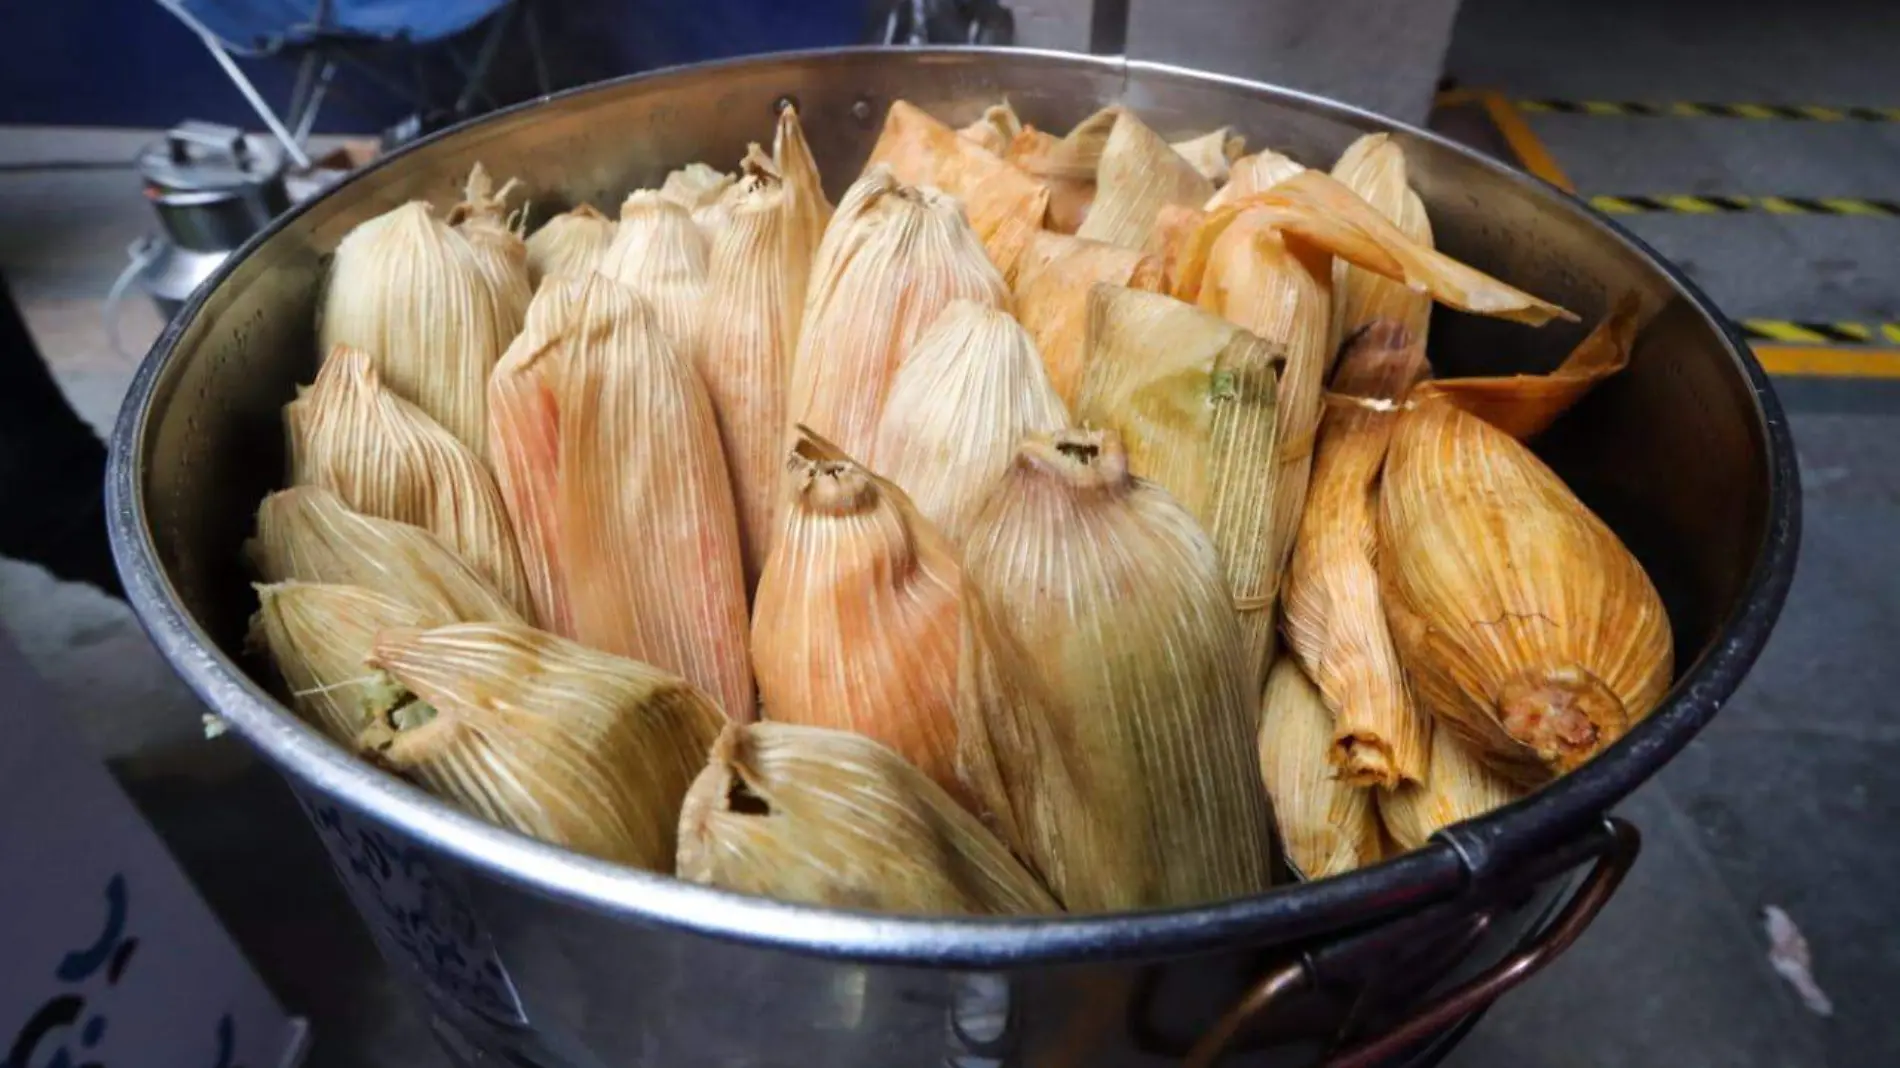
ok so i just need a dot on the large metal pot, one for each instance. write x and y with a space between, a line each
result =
526 954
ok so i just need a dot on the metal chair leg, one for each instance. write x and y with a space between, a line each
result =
258 104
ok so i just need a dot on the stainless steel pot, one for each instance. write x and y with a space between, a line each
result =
526 954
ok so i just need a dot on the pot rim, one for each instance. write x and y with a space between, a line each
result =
1437 872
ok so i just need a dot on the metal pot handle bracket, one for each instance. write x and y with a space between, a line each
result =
1614 844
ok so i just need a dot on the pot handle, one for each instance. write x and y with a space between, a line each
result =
1617 854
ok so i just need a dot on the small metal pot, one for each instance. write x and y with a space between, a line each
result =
212 187
527 954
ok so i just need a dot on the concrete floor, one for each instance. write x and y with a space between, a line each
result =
1789 799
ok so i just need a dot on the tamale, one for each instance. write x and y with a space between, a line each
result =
1194 400
1105 717
756 286
1525 626
1374 167
1004 203
319 637
1328 826
699 189
970 389
570 245
855 626
661 254
1253 174
890 261
409 290
1138 175
1213 153
385 457
1174 227
482 217
826 817
1459 787
995 128
308 534
1066 164
1335 622
1524 405
1052 298
524 430
544 736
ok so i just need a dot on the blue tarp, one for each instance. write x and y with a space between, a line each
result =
259 25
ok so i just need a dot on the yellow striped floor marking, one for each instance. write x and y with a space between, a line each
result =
1803 361
1530 152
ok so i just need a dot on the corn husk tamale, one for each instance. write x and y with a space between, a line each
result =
760 267
661 254
1168 240
1004 203
705 192
408 289
307 533
1253 174
893 257
1459 787
995 128
1066 164
970 389
1052 298
482 217
1106 720
1525 626
1374 167
318 637
544 736
827 817
1335 621
570 245
1524 405
1328 826
855 625
1138 175
1213 153
385 457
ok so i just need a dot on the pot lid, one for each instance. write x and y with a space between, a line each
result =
206 157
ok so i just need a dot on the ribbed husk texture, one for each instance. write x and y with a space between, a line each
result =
1253 174
1525 625
1458 788
855 626
972 386
308 534
995 128
1138 174
615 465
830 818
892 258
1194 400
1105 717
1213 153
760 267
1335 618
661 254
482 217
570 245
319 637
1066 164
1052 298
1374 167
1328 826
409 290
385 457
546 737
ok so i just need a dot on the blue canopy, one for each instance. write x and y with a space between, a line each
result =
252 26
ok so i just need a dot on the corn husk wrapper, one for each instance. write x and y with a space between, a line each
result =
1052 298
1066 164
545 736
1458 788
855 625
615 464
385 457
1374 168
1213 153
827 817
1335 620
308 534
971 388
1328 826
1005 205
570 245
705 192
995 128
1253 174
892 258
410 290
1525 626
319 637
662 254
760 268
1194 399
482 217
1138 175
1523 406
1174 228
1106 721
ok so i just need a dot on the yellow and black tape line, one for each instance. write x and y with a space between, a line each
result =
1704 204
1803 332
1687 109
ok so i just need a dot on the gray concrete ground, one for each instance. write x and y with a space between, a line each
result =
1789 799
